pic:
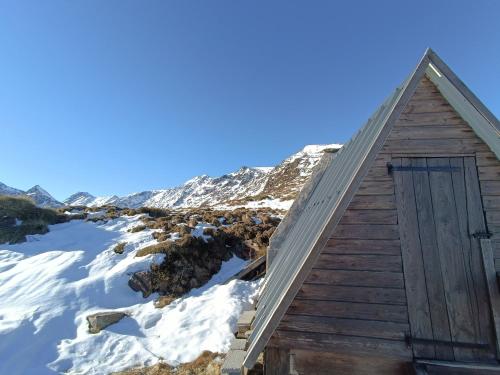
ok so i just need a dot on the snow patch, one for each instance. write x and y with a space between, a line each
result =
199 229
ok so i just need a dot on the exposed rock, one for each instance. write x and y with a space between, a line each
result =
141 282
119 248
99 321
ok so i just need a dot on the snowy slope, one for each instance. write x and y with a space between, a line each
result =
281 183
49 285
80 199
205 190
87 199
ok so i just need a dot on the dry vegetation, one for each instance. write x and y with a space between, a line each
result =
20 217
207 363
191 261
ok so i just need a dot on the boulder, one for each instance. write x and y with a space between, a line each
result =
141 282
99 321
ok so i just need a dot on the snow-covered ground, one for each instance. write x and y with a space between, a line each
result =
50 284
276 204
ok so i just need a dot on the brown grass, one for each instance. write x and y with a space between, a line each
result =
162 247
35 220
207 363
163 301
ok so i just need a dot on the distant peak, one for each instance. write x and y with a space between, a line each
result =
42 198
37 189
82 194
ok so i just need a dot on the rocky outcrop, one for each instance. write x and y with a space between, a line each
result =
141 282
99 321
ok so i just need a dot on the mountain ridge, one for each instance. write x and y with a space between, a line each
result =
266 184
37 194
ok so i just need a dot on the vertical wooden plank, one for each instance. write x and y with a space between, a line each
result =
472 221
433 273
493 289
414 274
451 256
458 183
276 361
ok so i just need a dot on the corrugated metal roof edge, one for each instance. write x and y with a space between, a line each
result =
462 88
259 342
279 234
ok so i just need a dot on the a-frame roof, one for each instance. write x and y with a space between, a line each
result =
321 204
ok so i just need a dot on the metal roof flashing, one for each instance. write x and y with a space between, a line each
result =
480 122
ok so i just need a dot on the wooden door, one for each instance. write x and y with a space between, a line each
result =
441 221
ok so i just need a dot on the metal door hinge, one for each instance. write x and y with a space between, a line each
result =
481 235
391 168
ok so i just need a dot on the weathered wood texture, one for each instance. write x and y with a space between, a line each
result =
430 127
492 284
418 304
276 361
354 300
447 295
306 362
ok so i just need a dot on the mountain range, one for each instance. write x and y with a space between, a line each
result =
258 184
39 195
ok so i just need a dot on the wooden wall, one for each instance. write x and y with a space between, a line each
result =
353 301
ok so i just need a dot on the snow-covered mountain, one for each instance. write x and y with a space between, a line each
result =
281 182
39 195
42 198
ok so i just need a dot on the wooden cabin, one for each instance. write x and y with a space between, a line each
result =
387 261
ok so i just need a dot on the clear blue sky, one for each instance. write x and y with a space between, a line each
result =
113 97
